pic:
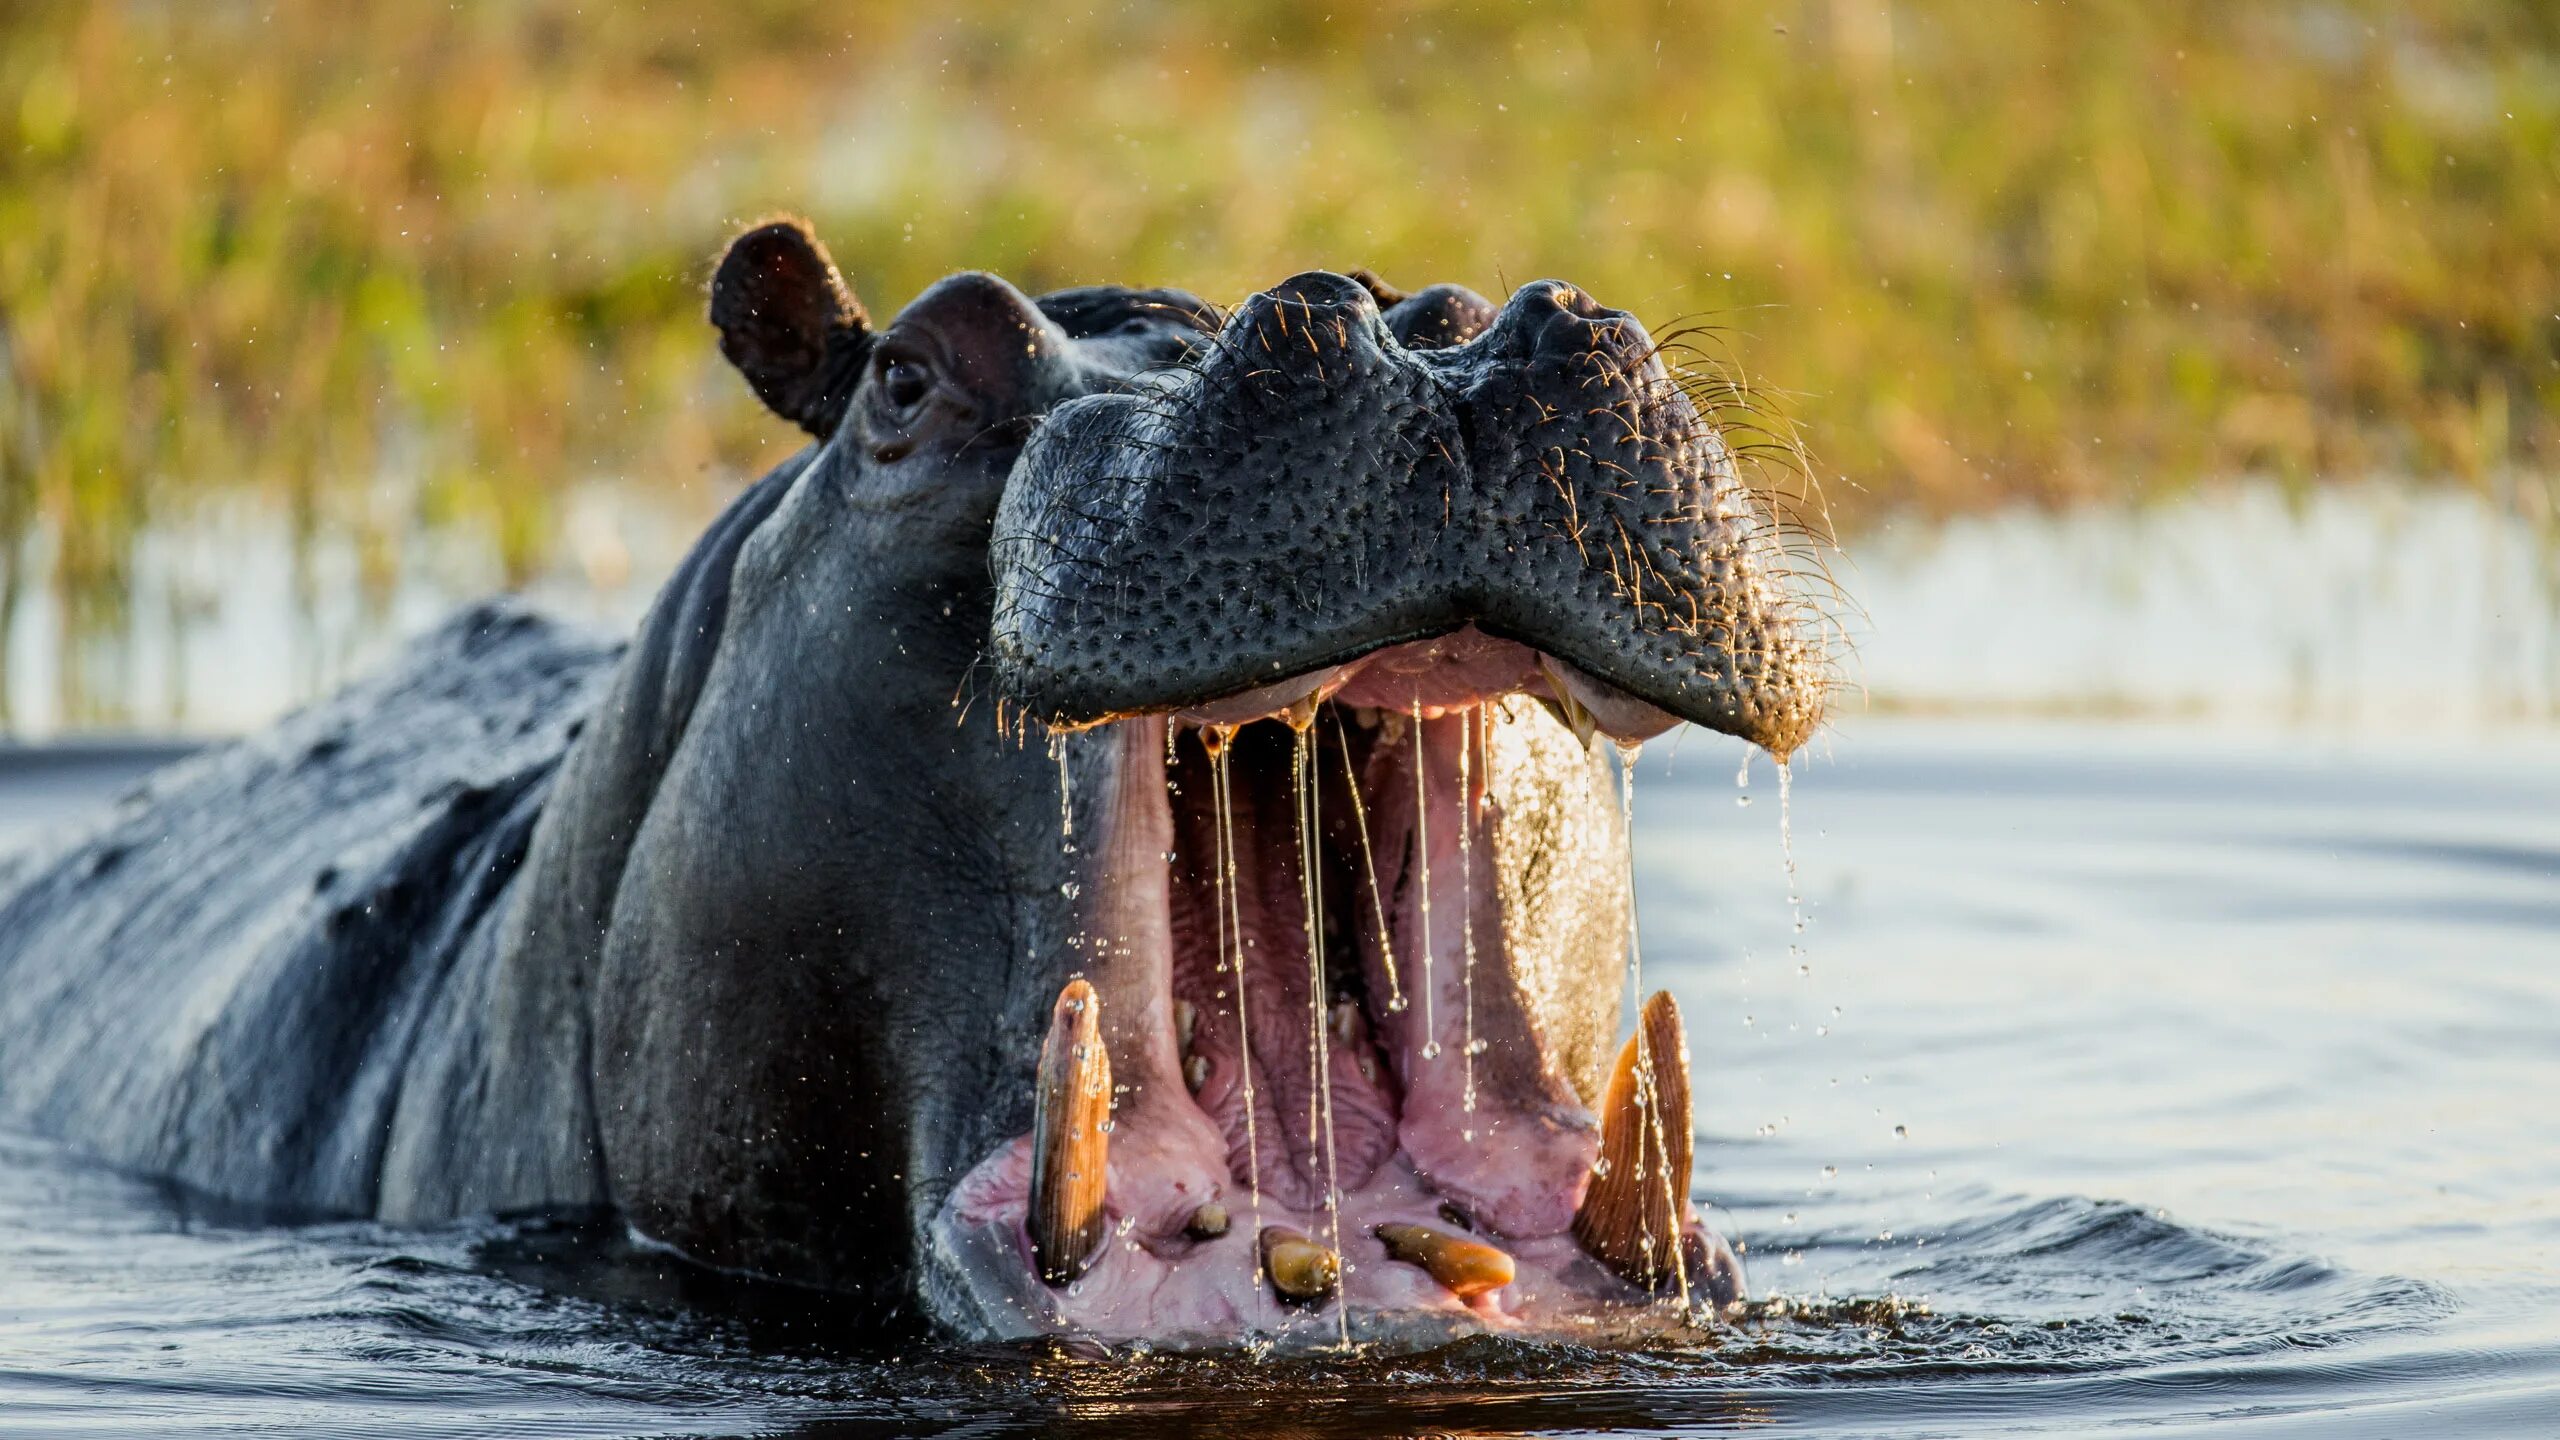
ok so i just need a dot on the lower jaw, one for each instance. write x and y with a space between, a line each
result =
1183 1292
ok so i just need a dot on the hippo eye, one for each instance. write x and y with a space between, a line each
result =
904 383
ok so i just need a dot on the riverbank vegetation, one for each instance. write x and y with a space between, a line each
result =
410 265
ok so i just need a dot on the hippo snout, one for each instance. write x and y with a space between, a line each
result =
1313 488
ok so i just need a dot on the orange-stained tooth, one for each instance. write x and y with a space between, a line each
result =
1070 1148
1466 1268
1632 1215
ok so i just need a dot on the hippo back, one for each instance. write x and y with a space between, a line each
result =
229 980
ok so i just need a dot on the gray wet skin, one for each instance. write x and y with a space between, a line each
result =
749 929
1331 490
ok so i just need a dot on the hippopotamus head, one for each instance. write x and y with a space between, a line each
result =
1275 660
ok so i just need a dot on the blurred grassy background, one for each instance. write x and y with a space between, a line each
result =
411 266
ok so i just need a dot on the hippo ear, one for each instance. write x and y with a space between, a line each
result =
789 324
1432 318
1387 296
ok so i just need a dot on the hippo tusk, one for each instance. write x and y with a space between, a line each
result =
1299 1268
1070 1137
1631 1217
1466 1268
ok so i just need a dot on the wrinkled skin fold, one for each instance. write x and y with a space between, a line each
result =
1117 838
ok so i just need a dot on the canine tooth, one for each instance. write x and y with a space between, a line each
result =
1631 1216
1346 1022
1070 1149
1195 1071
1208 1222
1299 1268
1466 1268
1186 1021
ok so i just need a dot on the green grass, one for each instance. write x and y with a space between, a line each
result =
1983 250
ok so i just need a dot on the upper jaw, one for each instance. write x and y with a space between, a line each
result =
1310 493
1448 672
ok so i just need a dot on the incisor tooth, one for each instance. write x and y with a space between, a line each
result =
1070 1149
1299 1268
1631 1216
1467 1268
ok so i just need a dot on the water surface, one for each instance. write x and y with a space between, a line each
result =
2150 1080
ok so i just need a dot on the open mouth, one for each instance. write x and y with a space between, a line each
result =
1341 609
1340 1057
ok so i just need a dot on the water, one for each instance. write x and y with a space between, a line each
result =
2183 1081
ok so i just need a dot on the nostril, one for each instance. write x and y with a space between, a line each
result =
1550 318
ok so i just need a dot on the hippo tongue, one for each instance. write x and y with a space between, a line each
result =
1486 1115
1428 1041
1253 960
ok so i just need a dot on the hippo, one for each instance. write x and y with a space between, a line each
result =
1116 838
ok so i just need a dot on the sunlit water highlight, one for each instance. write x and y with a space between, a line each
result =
2142 1080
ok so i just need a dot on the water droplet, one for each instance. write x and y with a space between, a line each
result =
1901 1132
1431 1050
1830 1171
1070 889
1396 1006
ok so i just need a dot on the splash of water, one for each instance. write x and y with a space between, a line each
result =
1066 795
1216 740
1369 863
1467 905
1422 853
1303 777
1787 858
